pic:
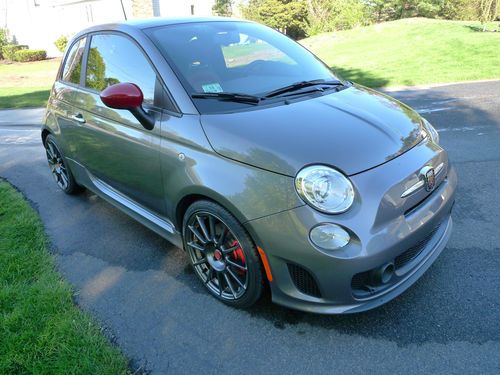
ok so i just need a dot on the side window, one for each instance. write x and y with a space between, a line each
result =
114 59
73 64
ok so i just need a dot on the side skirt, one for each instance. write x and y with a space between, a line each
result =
158 224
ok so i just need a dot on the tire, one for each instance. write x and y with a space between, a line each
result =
222 254
58 167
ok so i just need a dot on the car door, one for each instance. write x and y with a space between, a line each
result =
63 103
111 144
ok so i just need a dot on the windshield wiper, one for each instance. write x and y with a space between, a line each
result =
229 96
299 85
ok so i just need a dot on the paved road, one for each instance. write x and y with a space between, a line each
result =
142 290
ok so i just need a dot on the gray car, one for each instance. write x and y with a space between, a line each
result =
239 145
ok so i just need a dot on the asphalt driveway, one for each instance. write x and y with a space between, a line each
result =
143 291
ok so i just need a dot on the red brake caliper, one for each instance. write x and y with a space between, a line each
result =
238 255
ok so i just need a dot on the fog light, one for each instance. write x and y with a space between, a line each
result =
329 236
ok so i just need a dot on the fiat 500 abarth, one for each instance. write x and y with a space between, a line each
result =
236 143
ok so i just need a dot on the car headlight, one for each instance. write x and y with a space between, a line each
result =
325 189
431 130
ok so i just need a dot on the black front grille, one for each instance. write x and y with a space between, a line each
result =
303 280
414 251
360 280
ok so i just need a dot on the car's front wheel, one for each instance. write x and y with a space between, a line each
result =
222 254
60 171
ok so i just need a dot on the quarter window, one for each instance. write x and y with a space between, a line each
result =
114 59
73 64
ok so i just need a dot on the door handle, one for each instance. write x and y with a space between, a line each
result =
79 118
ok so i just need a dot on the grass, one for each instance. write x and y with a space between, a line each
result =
41 330
410 52
26 84
23 97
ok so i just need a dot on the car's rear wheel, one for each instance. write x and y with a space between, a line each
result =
222 254
60 171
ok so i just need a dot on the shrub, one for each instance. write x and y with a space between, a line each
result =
3 40
61 43
24 55
9 50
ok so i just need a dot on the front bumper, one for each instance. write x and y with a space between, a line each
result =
383 227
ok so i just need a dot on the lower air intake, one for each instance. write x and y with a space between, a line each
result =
303 280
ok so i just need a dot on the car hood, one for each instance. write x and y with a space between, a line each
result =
352 130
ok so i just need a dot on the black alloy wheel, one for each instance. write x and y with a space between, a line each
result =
222 254
62 175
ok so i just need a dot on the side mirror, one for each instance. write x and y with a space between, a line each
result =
128 96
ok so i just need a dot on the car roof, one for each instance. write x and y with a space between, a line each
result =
164 21
142 24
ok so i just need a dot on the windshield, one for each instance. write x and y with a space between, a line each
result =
234 57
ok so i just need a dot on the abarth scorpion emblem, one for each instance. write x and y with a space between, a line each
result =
429 177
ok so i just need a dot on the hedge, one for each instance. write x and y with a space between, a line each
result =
25 55
9 50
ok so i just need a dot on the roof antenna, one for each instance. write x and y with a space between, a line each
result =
123 9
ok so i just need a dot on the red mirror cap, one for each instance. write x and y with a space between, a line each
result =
122 96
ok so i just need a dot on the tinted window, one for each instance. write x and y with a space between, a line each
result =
114 59
73 65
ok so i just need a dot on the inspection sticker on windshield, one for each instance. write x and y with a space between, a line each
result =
212 87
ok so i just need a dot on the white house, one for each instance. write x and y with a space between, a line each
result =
38 23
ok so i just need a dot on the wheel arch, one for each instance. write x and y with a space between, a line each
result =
50 126
45 133
190 197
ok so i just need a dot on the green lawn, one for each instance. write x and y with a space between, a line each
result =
410 51
23 97
41 330
26 84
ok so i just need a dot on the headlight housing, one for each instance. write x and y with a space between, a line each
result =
325 189
431 130
329 236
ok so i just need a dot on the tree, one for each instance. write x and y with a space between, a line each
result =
96 69
381 10
223 8
385 10
331 15
3 40
487 10
287 16
457 10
